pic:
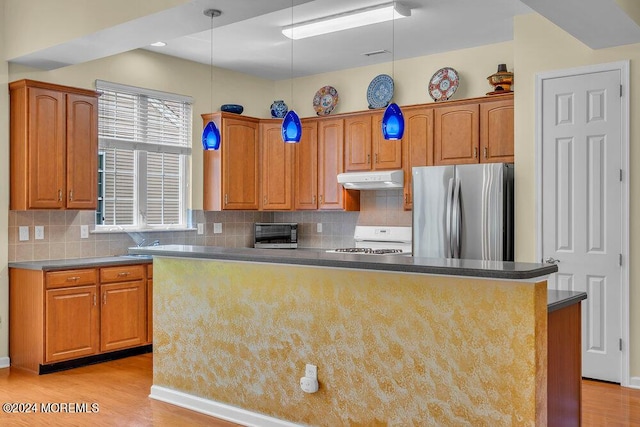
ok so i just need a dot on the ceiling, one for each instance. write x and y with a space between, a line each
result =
247 36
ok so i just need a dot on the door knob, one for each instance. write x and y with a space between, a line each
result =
551 260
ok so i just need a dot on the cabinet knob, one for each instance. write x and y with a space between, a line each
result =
104 298
123 274
475 152
264 200
314 199
59 195
73 278
321 199
94 300
376 160
486 152
226 199
71 195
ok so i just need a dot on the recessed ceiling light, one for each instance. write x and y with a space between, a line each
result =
158 44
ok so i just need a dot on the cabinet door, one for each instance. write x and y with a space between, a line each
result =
240 164
122 315
496 131
387 154
82 152
357 143
306 168
418 146
277 168
456 134
46 168
72 326
150 304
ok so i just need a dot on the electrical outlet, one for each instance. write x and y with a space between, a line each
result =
39 232
217 228
311 371
23 233
319 227
200 228
84 231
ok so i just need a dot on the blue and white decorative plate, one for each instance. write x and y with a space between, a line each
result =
380 91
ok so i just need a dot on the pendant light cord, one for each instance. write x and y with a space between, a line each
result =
211 68
291 71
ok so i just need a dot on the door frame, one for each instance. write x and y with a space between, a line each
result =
623 68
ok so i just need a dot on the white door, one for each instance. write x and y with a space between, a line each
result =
582 204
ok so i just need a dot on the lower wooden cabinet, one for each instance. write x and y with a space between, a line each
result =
123 309
72 325
65 315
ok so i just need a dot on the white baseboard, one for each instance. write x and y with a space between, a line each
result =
4 362
216 409
634 382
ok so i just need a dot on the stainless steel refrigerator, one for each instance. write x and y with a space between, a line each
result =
463 211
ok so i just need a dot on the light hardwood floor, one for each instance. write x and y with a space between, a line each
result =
121 389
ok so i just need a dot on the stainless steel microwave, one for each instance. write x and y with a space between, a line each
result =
278 235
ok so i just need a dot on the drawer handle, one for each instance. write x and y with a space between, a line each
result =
73 278
123 274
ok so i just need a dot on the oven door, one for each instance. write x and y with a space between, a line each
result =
281 235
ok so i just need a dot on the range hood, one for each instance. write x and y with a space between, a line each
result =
374 180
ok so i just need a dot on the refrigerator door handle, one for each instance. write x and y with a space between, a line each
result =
447 237
457 221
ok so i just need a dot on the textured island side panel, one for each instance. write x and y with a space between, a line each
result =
391 348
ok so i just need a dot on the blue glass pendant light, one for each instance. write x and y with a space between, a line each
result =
291 127
211 137
211 134
393 122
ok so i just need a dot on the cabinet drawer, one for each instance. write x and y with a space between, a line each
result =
67 278
122 273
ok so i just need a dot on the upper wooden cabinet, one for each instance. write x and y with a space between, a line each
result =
277 167
365 148
456 134
496 131
53 146
474 131
331 195
418 145
231 177
305 182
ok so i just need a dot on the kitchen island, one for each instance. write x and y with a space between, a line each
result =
397 340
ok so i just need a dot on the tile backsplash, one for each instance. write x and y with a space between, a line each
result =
62 229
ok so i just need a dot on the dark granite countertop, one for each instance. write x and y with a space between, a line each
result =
484 269
402 263
69 264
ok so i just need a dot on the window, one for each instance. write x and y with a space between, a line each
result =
144 155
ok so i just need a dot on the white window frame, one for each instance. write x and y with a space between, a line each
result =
140 160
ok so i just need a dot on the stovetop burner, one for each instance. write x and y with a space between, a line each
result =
370 251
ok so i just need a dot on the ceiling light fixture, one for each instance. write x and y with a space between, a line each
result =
392 119
158 44
291 126
211 134
344 21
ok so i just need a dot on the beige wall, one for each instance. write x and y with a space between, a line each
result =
411 77
542 46
4 194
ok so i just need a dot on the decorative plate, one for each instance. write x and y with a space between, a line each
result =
380 91
443 84
325 100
